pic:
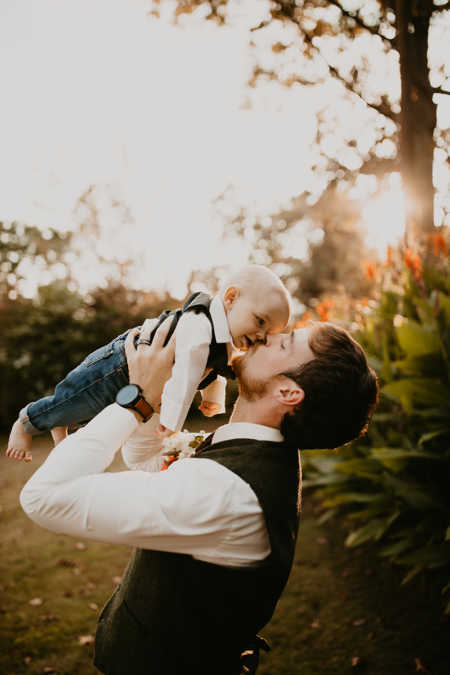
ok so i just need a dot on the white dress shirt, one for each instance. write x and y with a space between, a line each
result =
197 506
193 337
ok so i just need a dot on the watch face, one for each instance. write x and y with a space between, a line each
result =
128 395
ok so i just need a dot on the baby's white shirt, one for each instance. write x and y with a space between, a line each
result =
193 336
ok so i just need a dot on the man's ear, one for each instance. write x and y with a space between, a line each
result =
288 392
230 295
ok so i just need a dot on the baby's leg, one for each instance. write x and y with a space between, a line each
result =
58 434
19 443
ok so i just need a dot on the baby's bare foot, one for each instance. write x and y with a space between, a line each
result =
19 443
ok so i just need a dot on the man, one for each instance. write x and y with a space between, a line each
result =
215 534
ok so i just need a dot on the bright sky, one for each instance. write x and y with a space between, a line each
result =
95 93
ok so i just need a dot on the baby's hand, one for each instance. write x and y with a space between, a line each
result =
163 432
209 408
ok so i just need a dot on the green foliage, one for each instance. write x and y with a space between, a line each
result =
393 483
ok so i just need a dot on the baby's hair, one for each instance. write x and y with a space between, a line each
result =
259 278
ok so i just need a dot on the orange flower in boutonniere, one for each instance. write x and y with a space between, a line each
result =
180 445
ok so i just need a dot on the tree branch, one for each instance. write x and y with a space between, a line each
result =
380 109
360 22
439 90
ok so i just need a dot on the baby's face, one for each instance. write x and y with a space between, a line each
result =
253 315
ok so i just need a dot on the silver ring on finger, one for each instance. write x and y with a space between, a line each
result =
143 341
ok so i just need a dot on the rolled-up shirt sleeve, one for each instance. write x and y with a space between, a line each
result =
196 507
143 450
193 338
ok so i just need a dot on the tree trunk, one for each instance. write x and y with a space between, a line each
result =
418 114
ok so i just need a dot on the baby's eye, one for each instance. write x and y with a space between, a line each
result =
260 321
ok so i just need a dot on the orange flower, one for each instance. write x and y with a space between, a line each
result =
170 459
409 258
307 316
370 270
388 261
439 245
323 309
413 262
417 267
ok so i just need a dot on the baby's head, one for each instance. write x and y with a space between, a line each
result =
256 303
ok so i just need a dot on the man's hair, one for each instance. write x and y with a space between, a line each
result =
341 391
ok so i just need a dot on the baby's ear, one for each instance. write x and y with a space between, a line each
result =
230 295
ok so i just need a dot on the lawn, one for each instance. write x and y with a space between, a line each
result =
343 610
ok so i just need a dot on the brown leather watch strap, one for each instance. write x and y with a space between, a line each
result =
144 408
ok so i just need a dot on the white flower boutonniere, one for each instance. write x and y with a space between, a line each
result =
180 445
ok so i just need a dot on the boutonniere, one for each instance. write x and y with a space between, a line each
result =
180 445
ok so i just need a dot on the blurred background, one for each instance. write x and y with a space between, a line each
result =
147 146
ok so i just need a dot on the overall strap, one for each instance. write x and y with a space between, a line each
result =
200 302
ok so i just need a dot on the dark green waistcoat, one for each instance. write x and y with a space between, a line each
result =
173 614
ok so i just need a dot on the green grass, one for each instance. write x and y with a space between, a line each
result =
339 604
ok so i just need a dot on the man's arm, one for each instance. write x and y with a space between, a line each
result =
71 494
183 510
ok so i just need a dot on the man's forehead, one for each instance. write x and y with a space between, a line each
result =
300 343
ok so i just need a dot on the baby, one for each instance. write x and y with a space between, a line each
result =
250 304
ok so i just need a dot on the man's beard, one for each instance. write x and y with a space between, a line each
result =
249 388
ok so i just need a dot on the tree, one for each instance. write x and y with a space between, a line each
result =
335 254
349 41
25 251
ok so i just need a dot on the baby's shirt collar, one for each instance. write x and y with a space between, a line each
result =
219 319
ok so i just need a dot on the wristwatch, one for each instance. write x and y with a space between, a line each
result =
130 396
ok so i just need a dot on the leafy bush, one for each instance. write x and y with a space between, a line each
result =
393 484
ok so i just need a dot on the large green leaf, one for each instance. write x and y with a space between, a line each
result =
416 340
373 530
413 493
444 305
418 391
402 453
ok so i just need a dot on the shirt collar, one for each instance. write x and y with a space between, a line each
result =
219 319
256 432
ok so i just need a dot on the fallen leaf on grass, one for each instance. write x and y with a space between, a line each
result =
48 617
48 669
76 571
27 660
315 623
80 546
419 666
117 580
355 661
65 562
359 622
35 602
85 639
322 540
93 605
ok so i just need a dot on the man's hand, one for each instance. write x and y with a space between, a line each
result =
150 366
